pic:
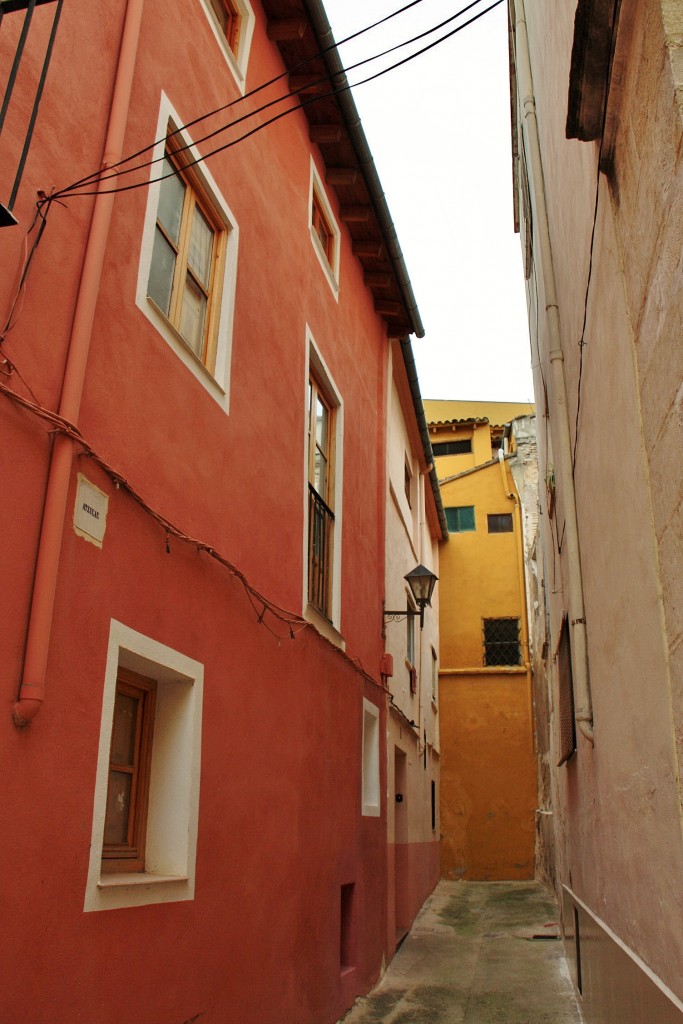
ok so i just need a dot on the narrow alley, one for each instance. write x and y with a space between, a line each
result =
478 953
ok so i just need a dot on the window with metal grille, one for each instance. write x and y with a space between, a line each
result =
321 497
565 684
501 642
461 447
500 522
460 518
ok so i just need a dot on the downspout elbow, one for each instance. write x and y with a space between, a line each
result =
27 707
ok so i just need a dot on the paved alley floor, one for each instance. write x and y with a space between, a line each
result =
472 958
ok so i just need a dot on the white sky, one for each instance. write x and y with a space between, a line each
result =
439 131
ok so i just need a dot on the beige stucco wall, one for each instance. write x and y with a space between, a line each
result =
618 806
408 542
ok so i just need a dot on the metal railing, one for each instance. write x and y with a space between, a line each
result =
9 7
320 521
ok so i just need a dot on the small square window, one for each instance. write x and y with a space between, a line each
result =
500 522
461 447
501 642
460 519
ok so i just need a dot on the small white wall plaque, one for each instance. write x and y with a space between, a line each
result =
90 513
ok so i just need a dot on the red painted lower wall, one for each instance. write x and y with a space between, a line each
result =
414 869
280 824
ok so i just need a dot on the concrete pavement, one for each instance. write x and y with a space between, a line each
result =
472 957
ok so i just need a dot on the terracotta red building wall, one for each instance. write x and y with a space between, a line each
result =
280 829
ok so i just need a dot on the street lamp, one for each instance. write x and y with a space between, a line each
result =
421 582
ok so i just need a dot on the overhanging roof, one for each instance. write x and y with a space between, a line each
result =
442 412
302 32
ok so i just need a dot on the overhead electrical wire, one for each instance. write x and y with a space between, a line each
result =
43 206
261 605
253 92
44 203
69 190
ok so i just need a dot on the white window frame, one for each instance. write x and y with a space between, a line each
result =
371 798
331 269
217 383
173 813
236 62
411 637
435 678
315 365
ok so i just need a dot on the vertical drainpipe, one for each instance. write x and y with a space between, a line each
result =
32 689
519 548
577 614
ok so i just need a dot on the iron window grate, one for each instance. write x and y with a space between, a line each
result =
565 682
501 642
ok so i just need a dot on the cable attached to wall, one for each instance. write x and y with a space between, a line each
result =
73 189
261 605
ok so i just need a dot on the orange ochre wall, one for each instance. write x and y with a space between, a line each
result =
488 778
488 767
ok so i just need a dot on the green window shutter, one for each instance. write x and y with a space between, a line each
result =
460 518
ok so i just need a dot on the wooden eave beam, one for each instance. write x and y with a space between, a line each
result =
325 133
306 83
377 278
342 175
356 214
368 248
384 308
282 30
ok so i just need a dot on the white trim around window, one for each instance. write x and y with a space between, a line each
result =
328 261
171 831
237 62
371 801
217 381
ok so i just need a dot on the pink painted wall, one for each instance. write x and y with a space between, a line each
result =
280 828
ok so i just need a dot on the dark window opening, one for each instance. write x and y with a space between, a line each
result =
501 642
346 952
577 939
433 806
452 447
566 695
500 522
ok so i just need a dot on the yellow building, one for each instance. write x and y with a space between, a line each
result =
488 766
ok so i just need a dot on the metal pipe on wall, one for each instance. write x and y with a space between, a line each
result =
32 689
583 711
